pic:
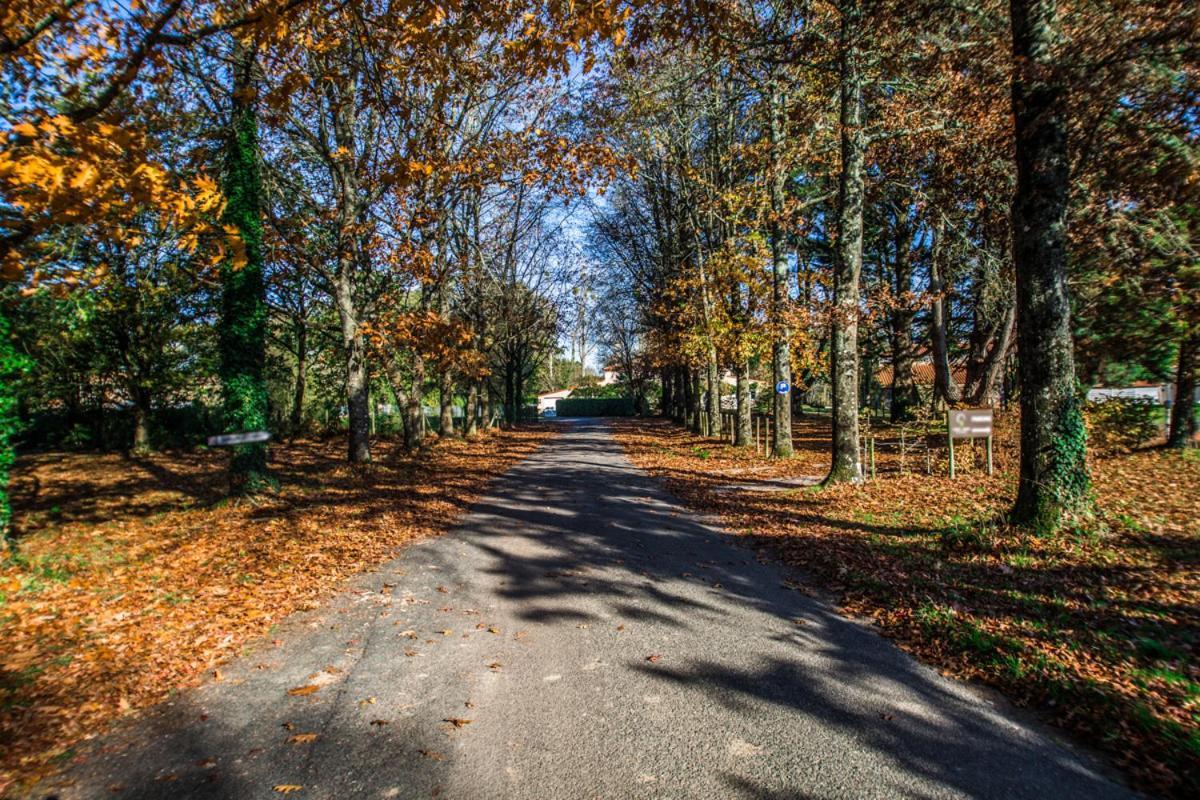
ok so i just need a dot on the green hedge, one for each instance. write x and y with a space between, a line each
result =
595 407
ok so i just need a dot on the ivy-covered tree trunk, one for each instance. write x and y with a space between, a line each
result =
10 365
781 336
843 344
743 435
1183 411
243 323
1054 479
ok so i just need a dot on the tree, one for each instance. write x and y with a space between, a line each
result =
243 323
1054 481
11 365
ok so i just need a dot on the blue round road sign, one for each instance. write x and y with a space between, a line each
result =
782 387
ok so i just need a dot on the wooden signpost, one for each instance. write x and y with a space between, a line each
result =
972 424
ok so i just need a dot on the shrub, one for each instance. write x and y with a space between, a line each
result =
1119 425
595 407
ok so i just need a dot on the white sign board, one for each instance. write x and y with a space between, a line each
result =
227 439
970 423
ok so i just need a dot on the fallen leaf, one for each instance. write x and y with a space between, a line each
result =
433 754
301 691
302 738
457 721
379 722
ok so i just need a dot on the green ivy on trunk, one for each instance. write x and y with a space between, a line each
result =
10 365
243 322
1054 482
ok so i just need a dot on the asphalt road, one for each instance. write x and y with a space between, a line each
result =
581 636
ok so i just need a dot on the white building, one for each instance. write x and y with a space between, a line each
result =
549 400
1160 394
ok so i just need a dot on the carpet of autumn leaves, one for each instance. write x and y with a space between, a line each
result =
134 578
1098 628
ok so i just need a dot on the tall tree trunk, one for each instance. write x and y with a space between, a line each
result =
742 436
695 421
668 384
414 430
510 393
991 370
713 407
518 396
471 412
10 367
301 376
141 419
1183 412
944 387
781 357
446 398
679 413
843 345
1054 478
489 409
358 401
243 321
904 388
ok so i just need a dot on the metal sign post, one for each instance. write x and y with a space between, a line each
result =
972 424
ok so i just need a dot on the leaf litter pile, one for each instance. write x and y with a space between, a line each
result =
134 578
1099 628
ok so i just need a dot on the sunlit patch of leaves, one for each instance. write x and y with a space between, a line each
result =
130 593
1100 626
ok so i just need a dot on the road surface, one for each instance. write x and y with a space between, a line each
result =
580 635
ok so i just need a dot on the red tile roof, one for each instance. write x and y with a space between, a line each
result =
922 372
